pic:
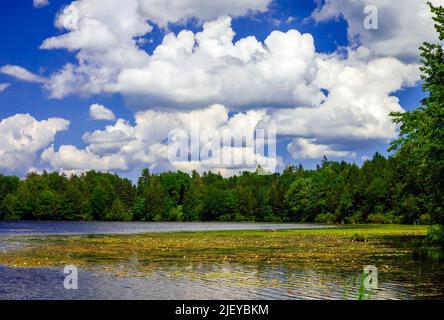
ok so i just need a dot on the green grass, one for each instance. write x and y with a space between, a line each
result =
313 248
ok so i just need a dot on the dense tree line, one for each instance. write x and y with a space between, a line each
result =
379 191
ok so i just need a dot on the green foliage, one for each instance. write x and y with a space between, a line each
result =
435 235
176 214
118 212
379 218
325 218
157 203
216 202
363 293
424 219
356 237
335 192
420 146
193 201
74 203
98 203
10 208
355 218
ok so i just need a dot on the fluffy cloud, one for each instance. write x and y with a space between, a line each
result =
163 12
357 106
121 146
308 149
23 136
111 140
135 14
190 70
355 111
402 25
40 3
206 67
100 112
121 24
3 86
21 74
78 160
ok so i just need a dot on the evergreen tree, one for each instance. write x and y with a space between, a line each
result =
98 203
118 212
193 201
156 201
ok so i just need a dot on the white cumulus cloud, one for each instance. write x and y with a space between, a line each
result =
71 157
100 112
23 136
402 25
21 74
121 24
190 70
308 149
357 106
207 67
122 147
3 86
40 3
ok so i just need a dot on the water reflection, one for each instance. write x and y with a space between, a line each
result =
215 281
105 227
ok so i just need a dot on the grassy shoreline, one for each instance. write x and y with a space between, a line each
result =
314 248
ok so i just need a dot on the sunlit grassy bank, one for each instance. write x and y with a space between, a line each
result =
347 248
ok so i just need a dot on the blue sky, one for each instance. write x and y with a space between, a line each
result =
24 28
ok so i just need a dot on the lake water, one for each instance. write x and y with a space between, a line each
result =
198 282
421 276
101 227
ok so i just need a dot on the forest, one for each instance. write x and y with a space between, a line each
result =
380 191
406 187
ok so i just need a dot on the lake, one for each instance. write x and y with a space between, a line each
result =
102 227
414 273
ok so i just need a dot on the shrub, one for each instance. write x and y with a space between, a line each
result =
354 218
238 217
272 218
226 217
380 218
424 219
356 237
393 217
435 235
325 218
175 214
118 212
376 218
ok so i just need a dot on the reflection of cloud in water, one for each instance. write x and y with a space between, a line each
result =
13 243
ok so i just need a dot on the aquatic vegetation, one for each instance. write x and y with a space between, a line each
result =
356 237
315 248
270 259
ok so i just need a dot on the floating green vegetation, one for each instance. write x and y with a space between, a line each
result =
356 237
311 248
